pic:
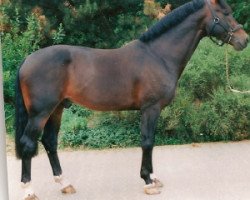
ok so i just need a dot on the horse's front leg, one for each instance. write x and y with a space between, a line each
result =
148 124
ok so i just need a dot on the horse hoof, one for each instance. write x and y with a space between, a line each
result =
158 183
68 190
151 189
31 197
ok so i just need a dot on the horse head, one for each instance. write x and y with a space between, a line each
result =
221 24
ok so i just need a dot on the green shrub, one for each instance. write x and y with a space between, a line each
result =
225 117
99 129
204 108
206 72
241 12
16 45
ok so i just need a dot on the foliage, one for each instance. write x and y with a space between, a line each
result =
241 12
17 44
240 7
204 109
224 117
105 129
203 78
99 130
97 23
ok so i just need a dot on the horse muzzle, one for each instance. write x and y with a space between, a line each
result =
240 43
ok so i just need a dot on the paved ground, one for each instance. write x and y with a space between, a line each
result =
216 171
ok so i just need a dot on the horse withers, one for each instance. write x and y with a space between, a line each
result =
141 76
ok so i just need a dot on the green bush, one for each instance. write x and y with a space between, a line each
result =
241 12
225 117
204 108
106 129
206 70
99 129
16 45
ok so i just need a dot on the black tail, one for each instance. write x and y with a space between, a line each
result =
21 117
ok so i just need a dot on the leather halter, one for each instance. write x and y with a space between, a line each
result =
225 25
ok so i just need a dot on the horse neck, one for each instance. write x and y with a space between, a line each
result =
176 46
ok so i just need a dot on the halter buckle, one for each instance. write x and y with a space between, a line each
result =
216 20
230 34
237 27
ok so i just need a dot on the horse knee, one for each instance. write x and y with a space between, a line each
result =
147 145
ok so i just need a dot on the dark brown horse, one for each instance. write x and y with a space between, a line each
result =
139 76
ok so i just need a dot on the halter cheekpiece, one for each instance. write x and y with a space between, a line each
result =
226 26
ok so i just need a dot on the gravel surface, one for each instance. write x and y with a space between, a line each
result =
213 171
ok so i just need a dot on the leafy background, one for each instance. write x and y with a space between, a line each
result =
203 110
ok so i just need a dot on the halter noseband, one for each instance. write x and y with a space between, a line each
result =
229 29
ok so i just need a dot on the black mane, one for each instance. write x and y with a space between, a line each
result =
171 20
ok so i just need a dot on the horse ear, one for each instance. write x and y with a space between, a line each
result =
224 4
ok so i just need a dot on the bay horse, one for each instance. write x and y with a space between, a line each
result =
141 75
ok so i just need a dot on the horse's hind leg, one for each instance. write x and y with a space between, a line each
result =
26 180
50 142
29 149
